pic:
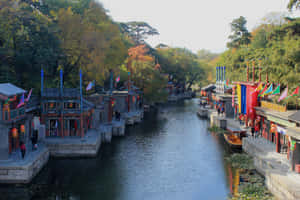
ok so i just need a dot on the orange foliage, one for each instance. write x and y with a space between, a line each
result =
139 53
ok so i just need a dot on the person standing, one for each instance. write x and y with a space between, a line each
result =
23 149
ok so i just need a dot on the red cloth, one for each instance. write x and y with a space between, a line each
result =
256 128
23 147
241 117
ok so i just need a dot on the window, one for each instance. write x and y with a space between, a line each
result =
52 106
71 105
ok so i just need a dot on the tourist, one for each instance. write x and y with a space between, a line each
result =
23 149
218 109
241 119
252 130
222 110
34 139
256 130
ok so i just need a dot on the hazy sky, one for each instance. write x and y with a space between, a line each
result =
193 24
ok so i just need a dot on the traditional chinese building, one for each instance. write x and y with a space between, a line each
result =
16 118
65 112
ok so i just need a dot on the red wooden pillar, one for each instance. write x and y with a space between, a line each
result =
81 126
61 126
10 142
253 71
288 150
110 110
128 103
277 142
247 71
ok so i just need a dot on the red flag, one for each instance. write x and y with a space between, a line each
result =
296 92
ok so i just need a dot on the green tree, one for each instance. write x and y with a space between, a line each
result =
293 4
138 31
240 35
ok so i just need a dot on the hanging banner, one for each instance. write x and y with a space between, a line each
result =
233 93
239 94
244 99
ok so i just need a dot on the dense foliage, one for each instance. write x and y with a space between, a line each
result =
275 48
74 35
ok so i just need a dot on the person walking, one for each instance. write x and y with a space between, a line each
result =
34 140
23 149
256 129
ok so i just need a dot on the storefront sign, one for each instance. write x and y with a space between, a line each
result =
273 106
281 121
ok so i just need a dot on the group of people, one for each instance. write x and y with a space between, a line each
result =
118 115
254 124
220 108
255 129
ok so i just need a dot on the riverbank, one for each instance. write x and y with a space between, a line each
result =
279 179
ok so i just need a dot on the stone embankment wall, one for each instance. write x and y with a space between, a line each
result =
23 172
278 178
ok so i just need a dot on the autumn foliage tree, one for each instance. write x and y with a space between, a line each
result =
146 74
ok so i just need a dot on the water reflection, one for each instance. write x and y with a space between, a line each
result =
170 155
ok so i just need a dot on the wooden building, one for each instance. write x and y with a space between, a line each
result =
64 111
62 114
15 124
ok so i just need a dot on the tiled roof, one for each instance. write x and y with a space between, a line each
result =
295 117
8 89
209 87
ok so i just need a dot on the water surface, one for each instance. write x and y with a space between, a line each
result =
169 156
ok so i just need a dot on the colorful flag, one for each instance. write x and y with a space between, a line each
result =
295 93
239 94
277 90
283 95
259 87
7 101
262 91
28 96
268 91
118 79
90 85
21 101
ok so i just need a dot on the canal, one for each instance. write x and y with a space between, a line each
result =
169 156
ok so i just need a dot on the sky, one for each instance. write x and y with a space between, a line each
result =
193 24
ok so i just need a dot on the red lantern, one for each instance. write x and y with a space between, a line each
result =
273 128
22 128
14 133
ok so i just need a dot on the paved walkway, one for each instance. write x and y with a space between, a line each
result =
15 159
90 137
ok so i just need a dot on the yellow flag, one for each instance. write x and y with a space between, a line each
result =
239 94
259 87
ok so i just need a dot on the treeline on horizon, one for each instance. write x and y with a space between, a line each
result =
74 35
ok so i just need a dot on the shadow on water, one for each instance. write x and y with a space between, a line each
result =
170 155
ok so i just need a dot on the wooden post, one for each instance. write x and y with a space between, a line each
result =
259 70
110 110
247 71
277 142
253 71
